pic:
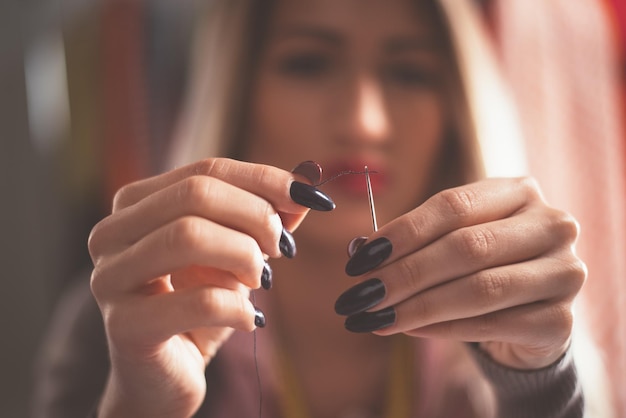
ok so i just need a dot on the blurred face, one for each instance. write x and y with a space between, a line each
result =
350 83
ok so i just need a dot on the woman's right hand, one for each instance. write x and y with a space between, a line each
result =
174 264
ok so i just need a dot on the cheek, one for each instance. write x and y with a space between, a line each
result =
420 131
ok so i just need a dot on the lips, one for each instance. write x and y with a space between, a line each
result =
355 184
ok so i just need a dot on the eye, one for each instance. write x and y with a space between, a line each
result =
411 75
306 65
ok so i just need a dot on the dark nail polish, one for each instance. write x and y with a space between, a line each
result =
311 170
369 256
355 244
361 297
287 245
371 321
310 197
259 318
266 277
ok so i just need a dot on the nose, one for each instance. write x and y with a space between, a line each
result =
364 118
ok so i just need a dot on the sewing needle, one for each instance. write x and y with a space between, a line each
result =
370 197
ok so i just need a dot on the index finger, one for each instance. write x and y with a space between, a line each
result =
451 209
270 183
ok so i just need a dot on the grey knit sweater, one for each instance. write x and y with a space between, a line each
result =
73 367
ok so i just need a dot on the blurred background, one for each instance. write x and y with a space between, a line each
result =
76 94
90 89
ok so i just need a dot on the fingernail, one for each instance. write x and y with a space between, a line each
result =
259 318
371 321
266 277
361 297
311 170
369 256
355 244
310 197
286 244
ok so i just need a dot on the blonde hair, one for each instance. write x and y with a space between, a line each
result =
215 87
484 116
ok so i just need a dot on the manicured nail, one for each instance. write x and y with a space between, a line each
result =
259 318
266 277
369 256
371 321
355 244
286 244
311 170
361 297
310 197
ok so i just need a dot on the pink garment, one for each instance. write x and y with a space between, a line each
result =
562 62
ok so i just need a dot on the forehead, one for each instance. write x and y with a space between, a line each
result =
364 19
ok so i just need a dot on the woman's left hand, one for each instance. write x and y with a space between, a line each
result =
488 262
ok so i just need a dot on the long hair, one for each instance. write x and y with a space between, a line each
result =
486 136
484 141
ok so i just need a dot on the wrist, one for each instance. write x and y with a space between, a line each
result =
129 399
521 358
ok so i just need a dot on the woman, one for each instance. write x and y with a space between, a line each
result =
456 259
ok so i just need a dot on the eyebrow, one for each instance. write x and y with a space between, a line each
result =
312 32
409 43
396 44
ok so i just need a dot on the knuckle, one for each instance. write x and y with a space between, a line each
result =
562 318
575 274
221 306
124 197
264 173
530 187
245 321
579 273
194 190
417 222
566 225
253 262
248 264
206 303
96 282
270 220
409 269
184 233
475 244
459 201
94 241
261 175
207 167
490 287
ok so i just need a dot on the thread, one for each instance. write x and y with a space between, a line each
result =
343 173
254 333
256 363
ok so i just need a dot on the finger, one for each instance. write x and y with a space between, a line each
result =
490 291
452 209
472 249
270 183
209 340
185 242
153 320
200 196
197 276
537 325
